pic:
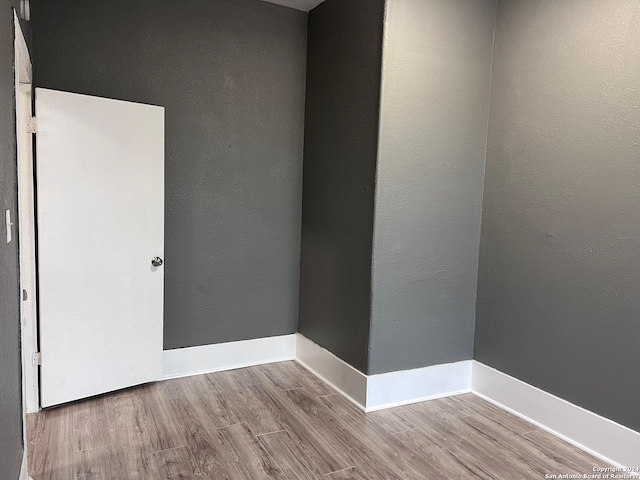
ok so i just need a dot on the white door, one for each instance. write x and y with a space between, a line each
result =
100 208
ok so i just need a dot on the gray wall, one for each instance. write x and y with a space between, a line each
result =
231 75
10 370
559 277
341 137
435 101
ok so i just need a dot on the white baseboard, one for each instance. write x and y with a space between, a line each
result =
603 438
183 362
337 373
386 390
394 389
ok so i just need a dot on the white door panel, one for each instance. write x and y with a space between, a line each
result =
100 190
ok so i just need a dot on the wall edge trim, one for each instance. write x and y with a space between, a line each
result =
188 361
590 432
331 385
345 379
24 475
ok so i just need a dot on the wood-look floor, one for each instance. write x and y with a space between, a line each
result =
278 421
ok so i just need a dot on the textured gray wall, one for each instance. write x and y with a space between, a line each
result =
231 76
558 303
435 101
341 138
10 369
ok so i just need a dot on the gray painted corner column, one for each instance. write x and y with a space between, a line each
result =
433 122
399 137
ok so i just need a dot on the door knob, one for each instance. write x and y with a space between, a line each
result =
156 261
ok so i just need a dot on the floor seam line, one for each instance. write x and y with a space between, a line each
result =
269 433
341 470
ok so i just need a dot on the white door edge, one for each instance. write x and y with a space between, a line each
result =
26 223
26 233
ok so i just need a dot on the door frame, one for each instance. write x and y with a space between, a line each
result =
26 222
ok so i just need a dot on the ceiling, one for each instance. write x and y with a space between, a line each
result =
304 5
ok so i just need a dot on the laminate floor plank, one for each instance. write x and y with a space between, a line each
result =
281 375
538 457
476 405
279 422
290 375
95 464
570 454
172 388
376 453
217 406
204 442
389 421
35 427
312 434
293 459
249 376
225 381
129 422
474 452
468 404
439 423
237 380
53 455
176 463
440 458
92 423
161 423
355 473
246 407
134 463
113 462
249 454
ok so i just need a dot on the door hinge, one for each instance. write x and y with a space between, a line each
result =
37 358
32 125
